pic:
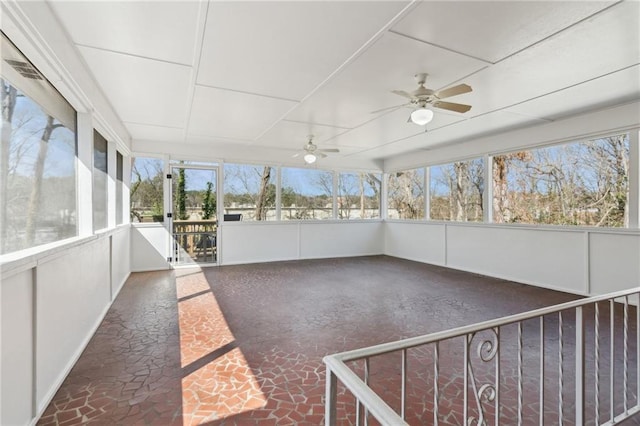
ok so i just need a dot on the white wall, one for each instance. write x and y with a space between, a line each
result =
582 261
149 247
272 241
52 302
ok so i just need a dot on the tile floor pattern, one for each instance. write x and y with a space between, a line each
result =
243 345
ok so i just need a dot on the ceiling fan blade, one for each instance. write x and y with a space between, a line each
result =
321 155
296 155
328 150
403 93
452 106
453 91
388 108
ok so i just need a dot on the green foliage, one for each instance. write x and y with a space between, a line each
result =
181 196
209 204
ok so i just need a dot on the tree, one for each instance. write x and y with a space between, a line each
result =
209 204
266 195
406 194
181 196
9 95
36 188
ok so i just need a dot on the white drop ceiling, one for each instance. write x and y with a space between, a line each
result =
257 77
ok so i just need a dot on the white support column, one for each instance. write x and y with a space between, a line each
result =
111 185
487 197
126 189
634 179
278 192
427 193
335 194
84 177
384 189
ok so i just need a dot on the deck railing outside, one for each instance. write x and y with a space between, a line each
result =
575 363
195 241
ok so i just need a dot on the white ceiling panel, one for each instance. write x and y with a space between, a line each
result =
474 128
154 133
492 30
594 48
143 91
294 134
233 115
390 127
366 85
164 30
285 49
613 89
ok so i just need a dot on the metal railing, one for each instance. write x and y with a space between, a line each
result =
555 365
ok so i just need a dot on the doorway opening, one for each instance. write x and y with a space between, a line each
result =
194 222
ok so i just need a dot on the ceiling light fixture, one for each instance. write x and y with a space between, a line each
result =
422 116
310 158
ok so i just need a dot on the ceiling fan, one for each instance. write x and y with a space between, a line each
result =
421 97
310 151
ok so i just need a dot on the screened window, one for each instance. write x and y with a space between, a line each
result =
249 191
359 195
456 191
119 187
581 183
37 158
100 181
306 194
406 194
147 190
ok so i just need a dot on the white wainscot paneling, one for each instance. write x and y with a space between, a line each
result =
343 239
546 258
614 262
149 247
422 242
72 294
17 348
120 258
249 243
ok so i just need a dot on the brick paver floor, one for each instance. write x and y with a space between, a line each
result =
243 345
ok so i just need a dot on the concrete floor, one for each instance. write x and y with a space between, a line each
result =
244 344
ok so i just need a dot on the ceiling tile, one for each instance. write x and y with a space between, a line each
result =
142 91
233 115
285 49
607 43
294 134
492 30
390 127
613 89
154 133
164 30
366 85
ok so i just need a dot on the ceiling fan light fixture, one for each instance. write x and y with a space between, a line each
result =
422 116
310 158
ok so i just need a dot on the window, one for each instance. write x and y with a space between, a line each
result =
406 194
580 183
119 186
359 195
37 158
306 194
456 191
147 190
100 180
249 191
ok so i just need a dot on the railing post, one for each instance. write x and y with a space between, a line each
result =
580 347
331 398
